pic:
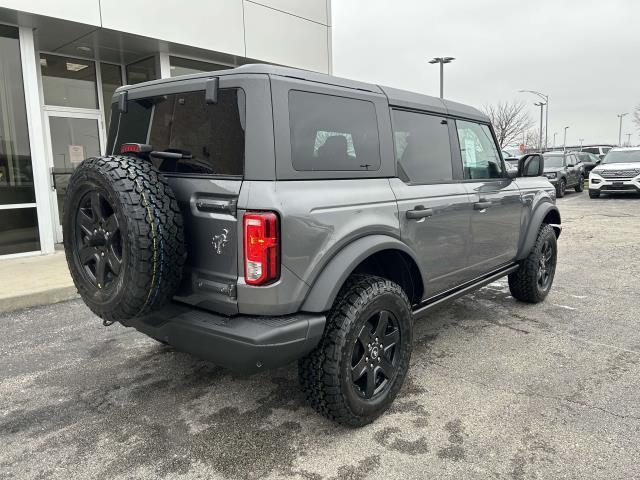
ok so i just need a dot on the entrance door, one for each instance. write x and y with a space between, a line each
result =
72 137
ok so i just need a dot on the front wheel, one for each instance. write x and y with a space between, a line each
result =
357 369
532 281
594 194
580 185
561 188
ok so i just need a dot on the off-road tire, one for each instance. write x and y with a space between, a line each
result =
523 283
561 188
580 185
150 229
594 194
325 373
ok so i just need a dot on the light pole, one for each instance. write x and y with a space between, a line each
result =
581 140
564 145
546 126
541 105
554 139
628 139
620 115
441 61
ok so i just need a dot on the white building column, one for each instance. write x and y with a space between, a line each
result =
30 65
164 63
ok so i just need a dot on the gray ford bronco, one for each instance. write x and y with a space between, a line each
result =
262 215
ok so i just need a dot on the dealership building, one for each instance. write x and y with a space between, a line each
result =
61 61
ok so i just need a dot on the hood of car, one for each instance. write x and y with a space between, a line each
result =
619 166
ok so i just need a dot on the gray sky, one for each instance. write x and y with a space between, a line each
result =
584 54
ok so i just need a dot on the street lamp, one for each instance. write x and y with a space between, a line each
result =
564 146
581 140
628 139
546 126
620 115
441 61
541 105
554 139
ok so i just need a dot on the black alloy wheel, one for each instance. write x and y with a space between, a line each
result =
98 242
374 358
546 265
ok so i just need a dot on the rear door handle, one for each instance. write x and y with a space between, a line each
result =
481 205
419 212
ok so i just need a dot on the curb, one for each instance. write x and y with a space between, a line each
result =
37 299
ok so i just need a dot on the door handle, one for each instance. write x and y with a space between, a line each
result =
419 212
481 205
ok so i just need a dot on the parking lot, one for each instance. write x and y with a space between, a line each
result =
497 389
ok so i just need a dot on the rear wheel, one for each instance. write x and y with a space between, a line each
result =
532 281
357 369
123 237
561 188
580 185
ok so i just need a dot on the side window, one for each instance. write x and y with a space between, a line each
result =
332 133
210 136
480 158
423 151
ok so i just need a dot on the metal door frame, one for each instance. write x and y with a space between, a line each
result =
65 112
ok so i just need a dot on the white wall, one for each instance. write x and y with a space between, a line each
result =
288 32
214 25
277 37
82 11
314 10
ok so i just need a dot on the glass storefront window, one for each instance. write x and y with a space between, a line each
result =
18 226
185 66
19 231
68 82
16 174
142 71
111 79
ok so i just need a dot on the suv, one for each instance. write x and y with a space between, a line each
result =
564 171
262 215
618 172
598 150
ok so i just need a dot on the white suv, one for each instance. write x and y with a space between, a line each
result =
618 172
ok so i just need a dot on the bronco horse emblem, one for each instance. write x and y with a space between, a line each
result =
220 241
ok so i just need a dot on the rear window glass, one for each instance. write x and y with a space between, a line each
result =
211 135
331 133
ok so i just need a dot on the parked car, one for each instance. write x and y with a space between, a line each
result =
564 171
588 161
598 150
261 215
618 172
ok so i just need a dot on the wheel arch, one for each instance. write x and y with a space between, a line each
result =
547 213
379 255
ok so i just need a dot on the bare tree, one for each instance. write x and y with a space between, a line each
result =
532 139
510 121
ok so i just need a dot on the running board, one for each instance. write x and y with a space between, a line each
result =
468 287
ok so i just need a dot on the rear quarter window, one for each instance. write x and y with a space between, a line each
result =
331 133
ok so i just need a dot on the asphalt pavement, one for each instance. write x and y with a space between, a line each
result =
497 389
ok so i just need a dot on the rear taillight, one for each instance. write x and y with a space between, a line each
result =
261 248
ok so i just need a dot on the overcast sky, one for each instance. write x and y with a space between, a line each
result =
584 54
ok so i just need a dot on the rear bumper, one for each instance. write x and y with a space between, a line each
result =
243 343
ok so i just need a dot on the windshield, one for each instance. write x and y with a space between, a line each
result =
622 156
553 160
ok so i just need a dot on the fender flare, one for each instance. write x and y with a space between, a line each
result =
327 284
538 216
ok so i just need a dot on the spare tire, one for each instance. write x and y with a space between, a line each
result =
123 236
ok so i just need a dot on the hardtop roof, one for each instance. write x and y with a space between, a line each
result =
396 97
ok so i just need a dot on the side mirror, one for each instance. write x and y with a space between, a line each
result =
531 166
598 161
